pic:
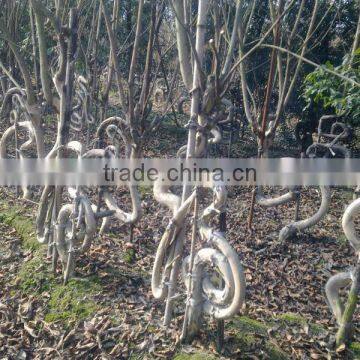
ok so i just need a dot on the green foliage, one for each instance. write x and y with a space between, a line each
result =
332 93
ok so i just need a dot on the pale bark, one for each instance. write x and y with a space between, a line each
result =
114 51
203 296
44 66
344 333
64 80
356 42
34 46
264 201
349 226
344 313
195 110
234 38
131 113
160 282
183 44
67 239
294 228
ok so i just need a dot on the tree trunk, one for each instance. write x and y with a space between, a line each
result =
195 107
344 333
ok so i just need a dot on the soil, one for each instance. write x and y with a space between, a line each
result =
108 311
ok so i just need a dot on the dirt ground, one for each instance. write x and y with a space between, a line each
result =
108 311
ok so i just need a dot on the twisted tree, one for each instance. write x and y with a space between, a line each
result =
207 94
288 54
344 313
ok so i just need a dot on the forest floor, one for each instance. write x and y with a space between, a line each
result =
108 310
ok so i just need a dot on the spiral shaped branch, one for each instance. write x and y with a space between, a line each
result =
294 228
344 314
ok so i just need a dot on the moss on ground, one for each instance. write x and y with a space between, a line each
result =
342 239
145 190
355 349
248 325
73 301
292 319
274 352
76 300
13 216
246 341
196 356
33 277
251 334
248 335
317 329
67 303
129 256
